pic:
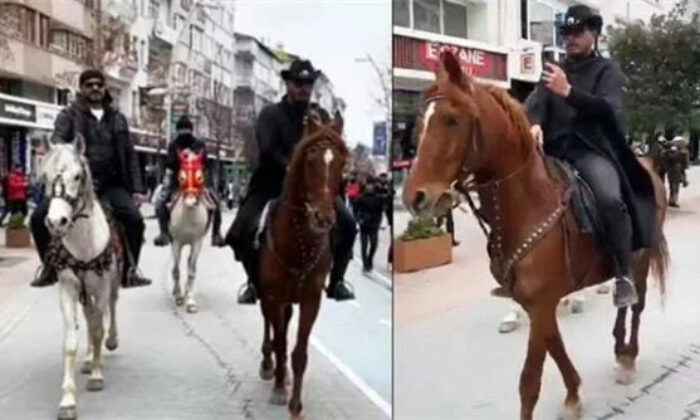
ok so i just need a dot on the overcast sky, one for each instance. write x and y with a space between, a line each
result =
332 33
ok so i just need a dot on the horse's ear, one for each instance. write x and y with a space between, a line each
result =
79 144
337 124
450 69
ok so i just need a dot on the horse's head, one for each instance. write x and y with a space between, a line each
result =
67 182
191 176
460 115
316 172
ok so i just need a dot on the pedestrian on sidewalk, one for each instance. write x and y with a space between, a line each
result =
17 185
370 206
5 201
352 192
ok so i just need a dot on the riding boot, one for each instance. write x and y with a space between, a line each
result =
163 216
620 242
338 289
216 239
248 294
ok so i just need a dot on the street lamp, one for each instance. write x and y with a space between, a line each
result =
387 103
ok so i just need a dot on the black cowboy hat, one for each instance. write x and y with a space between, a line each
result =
301 70
579 16
184 123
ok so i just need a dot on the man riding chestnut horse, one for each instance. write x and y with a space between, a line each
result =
278 129
568 112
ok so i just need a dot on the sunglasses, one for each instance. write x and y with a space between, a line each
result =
575 30
98 85
303 82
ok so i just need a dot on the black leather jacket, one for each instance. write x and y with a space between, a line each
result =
107 140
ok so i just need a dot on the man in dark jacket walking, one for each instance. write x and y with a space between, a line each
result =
184 140
279 128
370 207
576 115
114 167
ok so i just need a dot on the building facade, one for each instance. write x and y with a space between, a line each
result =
500 42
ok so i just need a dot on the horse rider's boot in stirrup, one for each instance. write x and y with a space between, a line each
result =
248 295
46 277
625 294
162 240
340 291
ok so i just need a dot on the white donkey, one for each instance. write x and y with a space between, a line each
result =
87 260
189 222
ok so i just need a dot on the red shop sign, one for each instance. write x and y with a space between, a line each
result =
419 54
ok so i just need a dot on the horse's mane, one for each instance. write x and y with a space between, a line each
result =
513 111
324 133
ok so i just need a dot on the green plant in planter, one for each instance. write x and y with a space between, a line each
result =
16 221
421 228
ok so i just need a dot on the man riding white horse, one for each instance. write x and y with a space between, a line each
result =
184 140
114 167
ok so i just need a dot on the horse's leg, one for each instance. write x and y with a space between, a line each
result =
177 290
627 371
266 365
94 315
69 299
113 336
86 368
531 376
289 309
279 391
619 332
307 317
190 303
572 380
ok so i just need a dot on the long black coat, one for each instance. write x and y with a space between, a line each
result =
590 119
110 135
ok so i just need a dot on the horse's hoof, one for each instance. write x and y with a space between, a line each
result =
267 373
571 411
179 300
191 308
577 305
67 413
86 368
278 397
603 289
112 343
625 376
295 408
95 384
508 325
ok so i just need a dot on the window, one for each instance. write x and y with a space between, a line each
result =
44 31
426 15
153 8
29 25
541 23
455 18
62 96
186 4
195 38
401 13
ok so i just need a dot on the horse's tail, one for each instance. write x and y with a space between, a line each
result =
659 262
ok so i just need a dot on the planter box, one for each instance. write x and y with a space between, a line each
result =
17 238
423 253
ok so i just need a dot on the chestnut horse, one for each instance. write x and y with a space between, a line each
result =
477 137
296 256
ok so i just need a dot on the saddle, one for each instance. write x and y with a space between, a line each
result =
583 203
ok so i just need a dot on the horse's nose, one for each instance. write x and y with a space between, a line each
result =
63 221
420 200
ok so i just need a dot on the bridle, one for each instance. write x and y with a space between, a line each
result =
79 202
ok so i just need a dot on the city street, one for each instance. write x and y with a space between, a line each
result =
450 353
175 365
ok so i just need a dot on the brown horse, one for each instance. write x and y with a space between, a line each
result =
478 137
296 257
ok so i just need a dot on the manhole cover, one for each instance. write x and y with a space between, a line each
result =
10 261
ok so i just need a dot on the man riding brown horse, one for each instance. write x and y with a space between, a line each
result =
278 129
576 114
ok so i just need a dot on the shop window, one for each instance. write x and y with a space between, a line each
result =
426 15
401 13
62 96
454 15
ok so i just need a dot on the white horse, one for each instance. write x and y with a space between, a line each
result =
189 222
86 260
